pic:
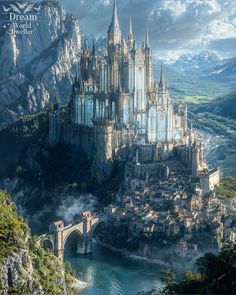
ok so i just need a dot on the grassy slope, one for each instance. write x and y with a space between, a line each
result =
223 106
226 189
219 119
191 87
15 235
13 229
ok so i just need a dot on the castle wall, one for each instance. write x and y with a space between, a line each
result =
209 180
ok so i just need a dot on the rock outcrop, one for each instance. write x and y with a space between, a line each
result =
16 273
35 68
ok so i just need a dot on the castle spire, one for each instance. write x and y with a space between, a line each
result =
162 79
114 22
130 27
93 49
131 41
147 38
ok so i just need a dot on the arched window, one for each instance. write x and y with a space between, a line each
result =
161 126
126 112
152 125
144 123
88 111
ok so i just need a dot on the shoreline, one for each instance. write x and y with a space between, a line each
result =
134 256
79 285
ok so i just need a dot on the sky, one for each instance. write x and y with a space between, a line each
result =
175 26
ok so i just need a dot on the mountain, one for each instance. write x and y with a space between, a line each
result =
100 42
223 106
35 68
224 71
203 60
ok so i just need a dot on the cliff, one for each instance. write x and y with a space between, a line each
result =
35 68
25 268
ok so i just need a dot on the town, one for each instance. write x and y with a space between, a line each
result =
118 113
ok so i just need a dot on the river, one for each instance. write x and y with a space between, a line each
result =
107 272
212 155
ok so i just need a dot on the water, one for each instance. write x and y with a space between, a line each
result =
227 166
108 272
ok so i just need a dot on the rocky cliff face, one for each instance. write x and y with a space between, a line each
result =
35 68
16 273
25 267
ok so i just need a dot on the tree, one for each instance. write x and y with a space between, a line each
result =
167 276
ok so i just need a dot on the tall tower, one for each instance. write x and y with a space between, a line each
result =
130 40
195 159
114 33
84 61
93 64
114 50
148 62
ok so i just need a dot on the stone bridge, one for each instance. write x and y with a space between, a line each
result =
58 233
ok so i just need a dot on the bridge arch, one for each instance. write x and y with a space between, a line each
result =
102 221
47 243
73 242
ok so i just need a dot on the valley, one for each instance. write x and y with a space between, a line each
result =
111 155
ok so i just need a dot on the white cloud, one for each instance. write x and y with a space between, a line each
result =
175 8
174 25
105 2
219 29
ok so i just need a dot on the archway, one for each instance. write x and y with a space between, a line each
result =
99 232
161 125
73 244
47 244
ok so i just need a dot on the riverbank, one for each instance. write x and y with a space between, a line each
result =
79 285
135 256
155 261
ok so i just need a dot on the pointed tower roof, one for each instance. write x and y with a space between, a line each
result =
114 22
162 79
130 27
93 49
147 37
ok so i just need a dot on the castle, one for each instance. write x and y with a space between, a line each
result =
115 106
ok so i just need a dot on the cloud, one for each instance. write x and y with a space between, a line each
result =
218 30
175 25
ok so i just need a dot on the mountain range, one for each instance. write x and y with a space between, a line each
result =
36 68
201 61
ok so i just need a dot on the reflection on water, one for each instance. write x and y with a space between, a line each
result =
110 273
